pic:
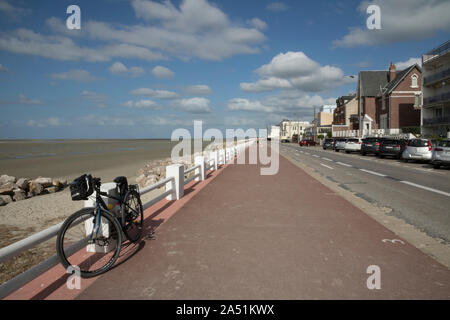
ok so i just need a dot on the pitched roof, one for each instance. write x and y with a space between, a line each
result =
371 81
400 75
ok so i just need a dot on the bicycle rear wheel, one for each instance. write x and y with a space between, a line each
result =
81 246
132 216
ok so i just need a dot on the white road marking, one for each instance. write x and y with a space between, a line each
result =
316 156
327 159
426 188
374 173
393 241
326 166
307 153
344 164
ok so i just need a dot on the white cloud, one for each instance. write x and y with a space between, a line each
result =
198 90
45 123
25 41
75 75
98 98
268 84
158 94
142 104
277 7
239 104
192 29
405 64
12 11
404 20
288 103
25 100
258 23
294 70
3 69
162 72
120 68
193 105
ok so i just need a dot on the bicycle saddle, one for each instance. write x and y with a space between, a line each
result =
121 181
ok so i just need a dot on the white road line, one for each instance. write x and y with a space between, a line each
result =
344 164
374 173
316 156
326 166
307 153
327 159
426 188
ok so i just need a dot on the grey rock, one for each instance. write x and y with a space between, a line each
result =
45 182
23 183
35 188
52 189
5 199
4 179
19 195
7 188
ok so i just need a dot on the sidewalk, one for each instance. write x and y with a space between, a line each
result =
247 236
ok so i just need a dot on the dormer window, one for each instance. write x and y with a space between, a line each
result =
414 78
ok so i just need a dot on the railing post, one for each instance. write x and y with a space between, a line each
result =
201 162
221 156
177 172
213 155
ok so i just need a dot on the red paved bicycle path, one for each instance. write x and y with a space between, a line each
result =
287 236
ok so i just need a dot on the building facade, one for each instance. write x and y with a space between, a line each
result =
388 100
436 92
289 128
346 107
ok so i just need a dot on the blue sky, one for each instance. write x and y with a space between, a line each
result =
141 68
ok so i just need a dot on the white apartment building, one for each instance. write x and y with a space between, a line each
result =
436 92
289 128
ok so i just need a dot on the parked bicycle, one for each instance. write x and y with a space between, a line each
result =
91 238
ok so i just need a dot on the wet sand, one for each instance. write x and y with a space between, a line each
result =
106 159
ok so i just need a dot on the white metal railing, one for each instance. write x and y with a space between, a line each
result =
16 248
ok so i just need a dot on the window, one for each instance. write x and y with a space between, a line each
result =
417 101
414 81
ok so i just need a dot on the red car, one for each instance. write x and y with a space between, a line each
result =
307 143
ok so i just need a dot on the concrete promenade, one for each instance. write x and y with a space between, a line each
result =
247 236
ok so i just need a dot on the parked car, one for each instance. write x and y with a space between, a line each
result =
328 144
392 147
339 144
352 145
441 154
417 149
307 143
285 141
370 145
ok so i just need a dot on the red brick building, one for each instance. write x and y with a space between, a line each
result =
389 99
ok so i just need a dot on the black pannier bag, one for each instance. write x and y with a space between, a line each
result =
81 188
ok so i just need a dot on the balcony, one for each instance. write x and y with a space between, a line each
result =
436 99
436 121
437 52
443 75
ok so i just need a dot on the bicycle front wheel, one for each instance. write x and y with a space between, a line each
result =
89 243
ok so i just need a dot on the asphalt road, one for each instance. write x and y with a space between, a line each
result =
413 192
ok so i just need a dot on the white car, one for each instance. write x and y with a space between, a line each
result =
417 149
339 144
353 145
441 154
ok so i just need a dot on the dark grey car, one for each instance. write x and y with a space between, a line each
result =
392 147
328 144
371 145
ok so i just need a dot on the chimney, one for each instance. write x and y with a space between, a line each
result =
392 72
